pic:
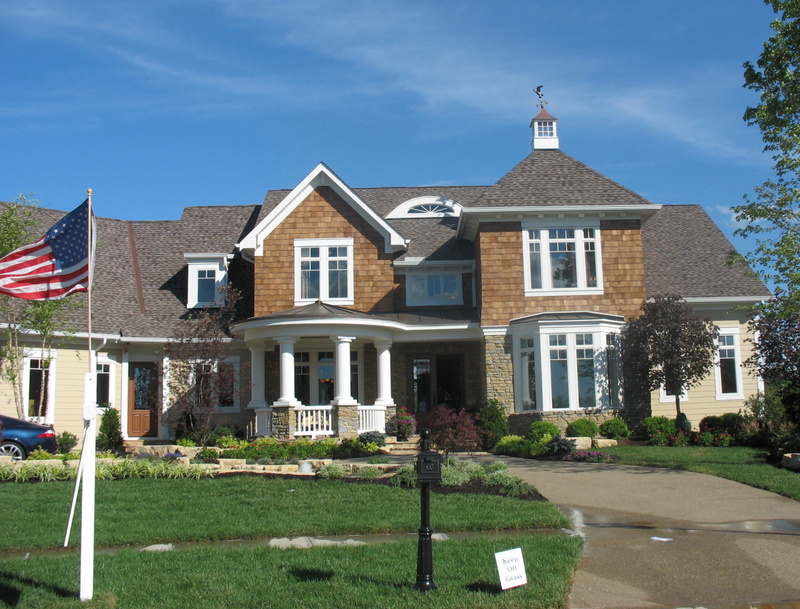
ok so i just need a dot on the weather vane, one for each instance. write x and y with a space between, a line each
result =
538 91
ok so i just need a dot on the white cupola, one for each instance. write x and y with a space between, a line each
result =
545 131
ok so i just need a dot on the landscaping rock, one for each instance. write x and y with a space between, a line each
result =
582 443
791 461
603 442
159 547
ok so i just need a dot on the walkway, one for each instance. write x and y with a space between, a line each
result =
659 538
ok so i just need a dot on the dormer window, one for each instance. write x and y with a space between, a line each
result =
208 274
426 207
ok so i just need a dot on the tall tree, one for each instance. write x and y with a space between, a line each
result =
772 215
673 346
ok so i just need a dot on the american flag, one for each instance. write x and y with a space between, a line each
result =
53 267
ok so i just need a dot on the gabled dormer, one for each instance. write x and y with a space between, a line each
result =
208 275
545 131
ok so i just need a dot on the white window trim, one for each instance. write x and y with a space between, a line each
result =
216 263
540 333
578 227
356 352
739 395
104 359
234 361
663 398
404 209
30 354
323 244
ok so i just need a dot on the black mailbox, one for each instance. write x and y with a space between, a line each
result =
429 466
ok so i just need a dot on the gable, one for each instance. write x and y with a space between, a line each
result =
321 176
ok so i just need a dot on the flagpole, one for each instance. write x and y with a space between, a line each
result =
88 455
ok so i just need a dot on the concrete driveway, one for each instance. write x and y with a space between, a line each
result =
664 538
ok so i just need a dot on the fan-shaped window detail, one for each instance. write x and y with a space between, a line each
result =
427 207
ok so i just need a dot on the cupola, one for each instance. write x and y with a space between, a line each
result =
545 130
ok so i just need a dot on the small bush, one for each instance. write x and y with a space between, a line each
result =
584 428
616 429
513 446
186 442
590 456
349 448
373 437
109 433
41 455
453 431
379 460
334 471
402 425
229 441
492 423
657 430
208 453
66 442
405 476
508 484
558 447
542 431
679 438
368 473
682 423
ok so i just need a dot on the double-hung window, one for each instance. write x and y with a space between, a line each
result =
324 270
426 289
562 260
729 370
208 275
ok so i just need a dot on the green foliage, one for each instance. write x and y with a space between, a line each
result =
724 430
616 429
334 471
453 430
348 448
492 423
377 460
657 430
682 423
402 424
186 442
208 453
516 446
41 455
558 447
765 419
669 346
585 428
109 433
405 476
368 473
542 431
373 437
229 441
66 441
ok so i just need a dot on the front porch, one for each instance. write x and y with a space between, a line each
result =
319 421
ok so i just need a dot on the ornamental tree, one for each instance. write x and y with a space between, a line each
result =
672 347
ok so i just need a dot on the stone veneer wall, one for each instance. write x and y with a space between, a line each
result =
323 214
501 285
498 370
521 422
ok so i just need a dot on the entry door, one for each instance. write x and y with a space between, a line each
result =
436 380
142 399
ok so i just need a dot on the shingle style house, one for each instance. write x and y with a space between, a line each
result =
360 300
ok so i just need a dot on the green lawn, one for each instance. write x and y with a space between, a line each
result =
741 464
144 511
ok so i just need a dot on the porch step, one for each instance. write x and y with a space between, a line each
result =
407 447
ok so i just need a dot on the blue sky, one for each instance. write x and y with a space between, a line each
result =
162 104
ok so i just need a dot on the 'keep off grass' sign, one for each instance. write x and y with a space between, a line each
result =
511 568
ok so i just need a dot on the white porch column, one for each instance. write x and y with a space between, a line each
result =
383 347
342 383
287 371
258 402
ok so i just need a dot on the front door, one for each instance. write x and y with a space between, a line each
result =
435 380
142 400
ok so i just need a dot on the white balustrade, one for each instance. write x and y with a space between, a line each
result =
371 418
313 421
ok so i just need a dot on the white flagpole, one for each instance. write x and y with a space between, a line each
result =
88 456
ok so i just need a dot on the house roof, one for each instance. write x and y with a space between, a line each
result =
685 253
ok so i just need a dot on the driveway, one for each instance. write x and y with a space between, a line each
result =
664 538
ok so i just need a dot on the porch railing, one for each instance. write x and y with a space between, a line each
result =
371 418
313 421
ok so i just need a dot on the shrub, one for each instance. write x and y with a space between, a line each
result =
402 425
229 441
542 431
584 428
679 438
405 476
373 437
682 423
368 473
492 423
66 442
186 442
508 484
513 446
452 431
40 454
348 448
208 453
109 433
379 460
334 471
616 429
590 456
657 430
558 447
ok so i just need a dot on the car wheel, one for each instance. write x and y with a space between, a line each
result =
13 450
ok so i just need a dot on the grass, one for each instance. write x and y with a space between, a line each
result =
741 464
146 511
143 511
368 577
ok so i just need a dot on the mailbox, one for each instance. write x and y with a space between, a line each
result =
429 466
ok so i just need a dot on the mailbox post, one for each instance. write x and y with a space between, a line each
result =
429 469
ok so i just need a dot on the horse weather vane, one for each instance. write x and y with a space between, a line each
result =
540 95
